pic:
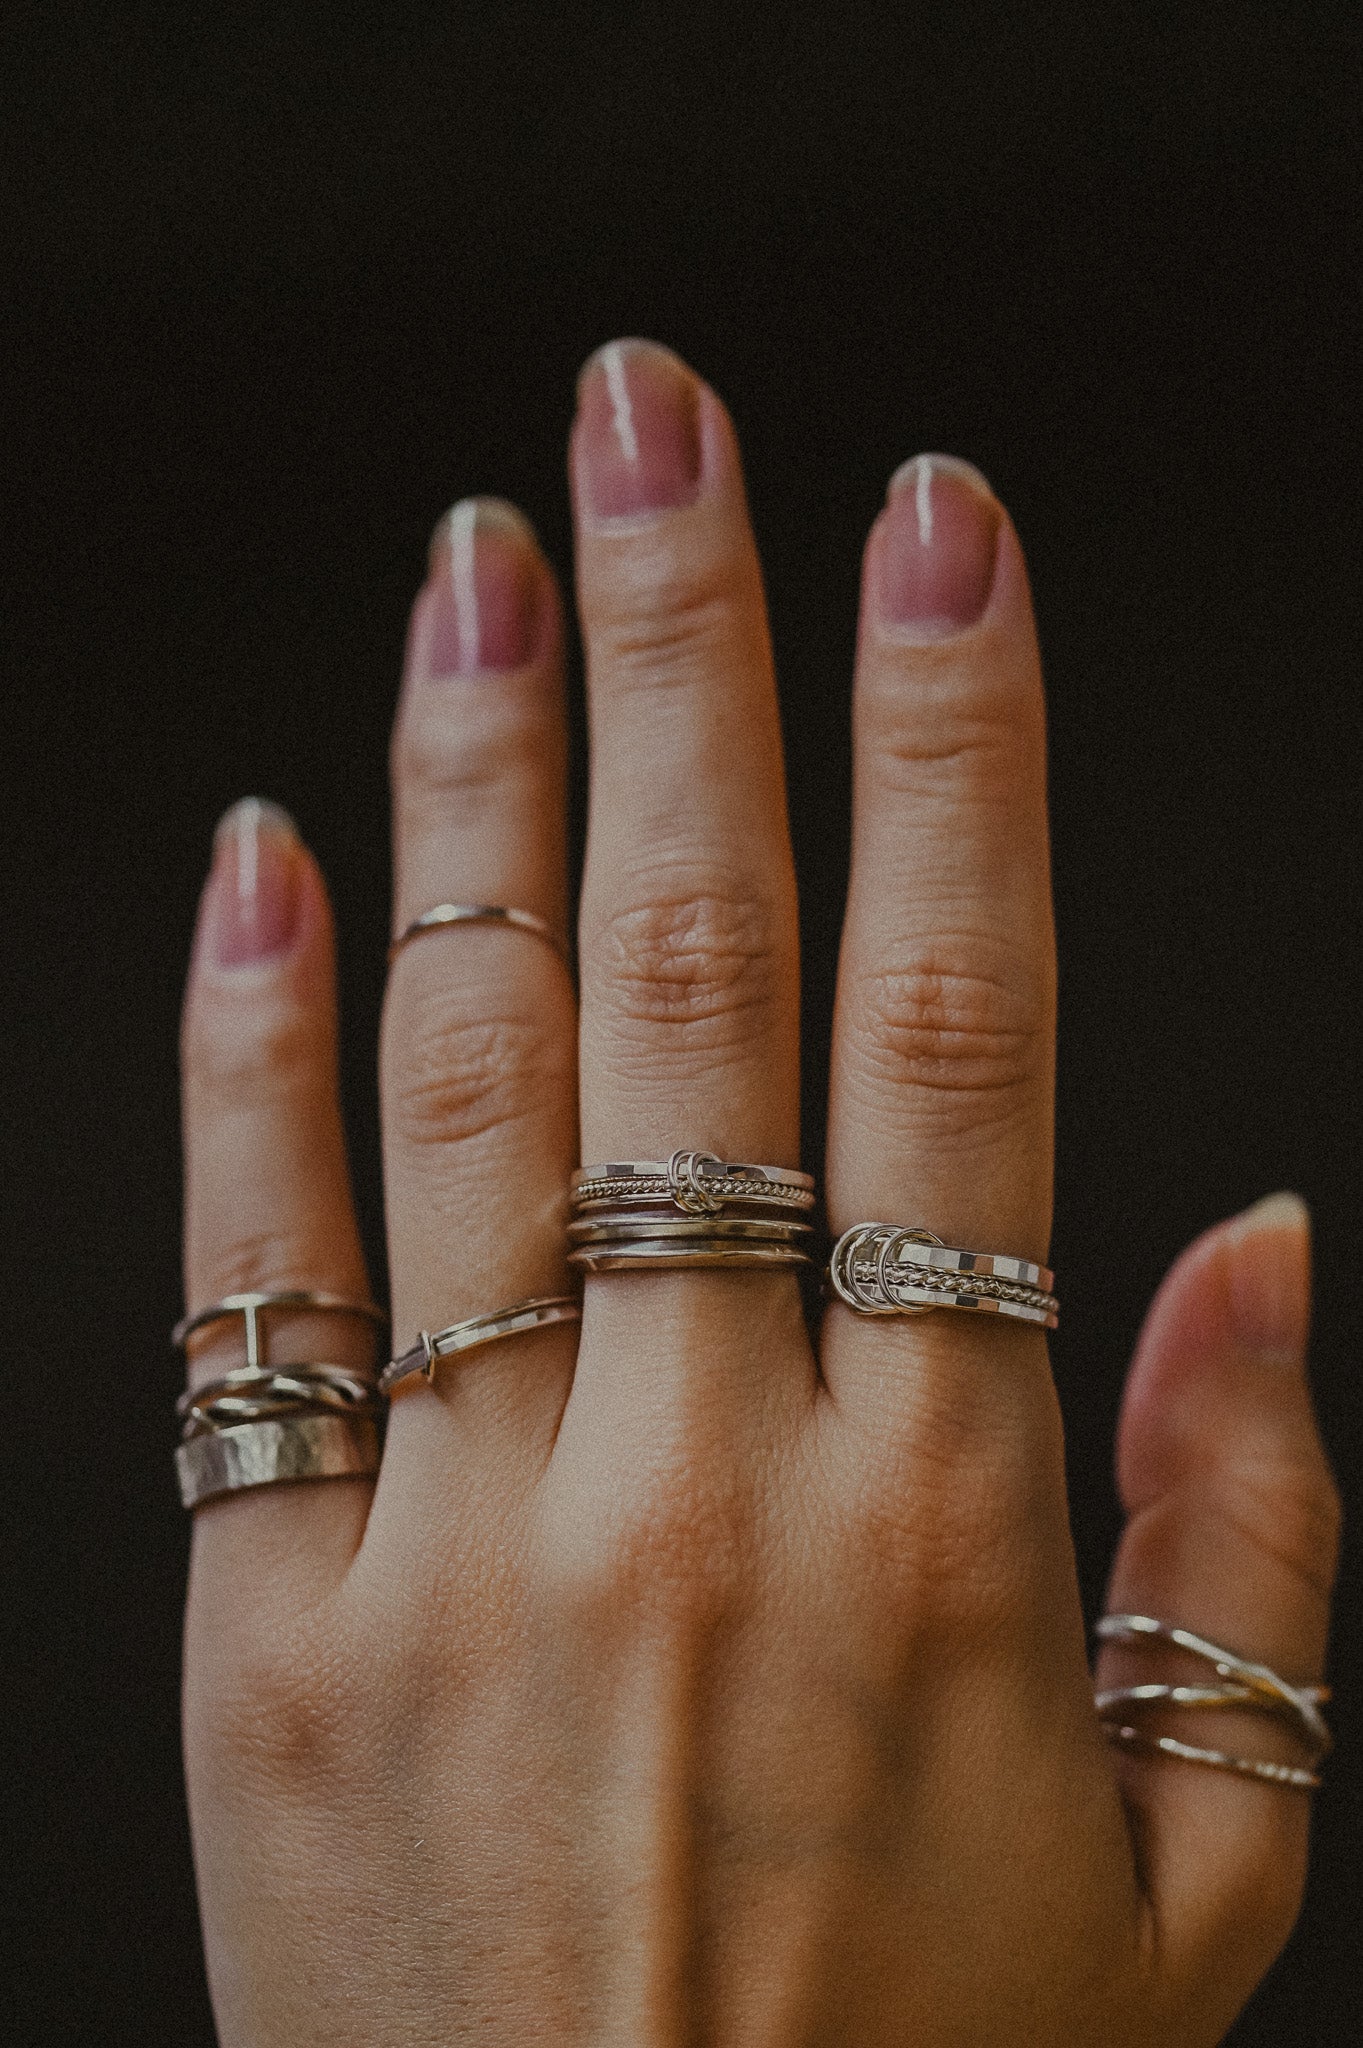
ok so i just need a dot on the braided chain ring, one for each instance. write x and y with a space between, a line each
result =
687 1173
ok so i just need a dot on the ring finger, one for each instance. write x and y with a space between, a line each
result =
479 1029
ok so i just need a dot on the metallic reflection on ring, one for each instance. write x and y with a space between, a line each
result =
1244 1686
427 1352
442 914
269 1453
878 1269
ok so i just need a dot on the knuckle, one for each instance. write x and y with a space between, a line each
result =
959 1017
667 620
286 1711
238 1051
671 1549
440 761
1289 1509
945 733
700 955
464 1077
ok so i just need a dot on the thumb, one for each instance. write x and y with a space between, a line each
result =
1232 1532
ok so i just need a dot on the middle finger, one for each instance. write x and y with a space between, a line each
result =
689 952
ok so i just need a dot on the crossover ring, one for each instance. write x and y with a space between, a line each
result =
1246 1686
442 914
253 1394
879 1269
426 1353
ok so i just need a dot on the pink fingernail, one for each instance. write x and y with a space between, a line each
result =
936 546
1269 1278
637 442
252 907
479 610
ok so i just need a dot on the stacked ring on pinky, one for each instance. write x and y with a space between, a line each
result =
690 1210
881 1270
260 1425
1248 1687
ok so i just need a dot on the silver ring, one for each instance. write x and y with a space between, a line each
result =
879 1269
427 1352
654 1252
1270 1694
1246 1686
441 914
254 1394
251 1306
695 1182
270 1453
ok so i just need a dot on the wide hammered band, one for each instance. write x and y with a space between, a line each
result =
262 1425
691 1210
1244 1686
428 1350
268 1453
442 914
880 1270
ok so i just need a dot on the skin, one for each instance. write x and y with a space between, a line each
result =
679 1682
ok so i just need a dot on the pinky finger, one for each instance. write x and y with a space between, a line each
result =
267 1196
1233 1533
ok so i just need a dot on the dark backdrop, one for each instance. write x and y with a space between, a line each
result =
278 286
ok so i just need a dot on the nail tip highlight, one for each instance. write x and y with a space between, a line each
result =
1282 1210
255 814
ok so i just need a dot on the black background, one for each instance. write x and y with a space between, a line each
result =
278 285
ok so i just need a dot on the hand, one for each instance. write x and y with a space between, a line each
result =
678 1682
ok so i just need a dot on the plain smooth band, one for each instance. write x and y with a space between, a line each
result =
441 914
270 1453
424 1355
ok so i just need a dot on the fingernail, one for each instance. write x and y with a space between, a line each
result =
479 609
253 892
637 443
937 542
1269 1278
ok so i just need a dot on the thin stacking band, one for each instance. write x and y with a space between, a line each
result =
427 1352
442 914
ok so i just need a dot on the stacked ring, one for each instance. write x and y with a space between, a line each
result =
690 1210
880 1270
260 1425
1251 1688
473 1331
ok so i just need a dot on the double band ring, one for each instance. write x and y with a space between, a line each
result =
691 1210
881 1270
442 914
426 1353
260 1425
1246 1686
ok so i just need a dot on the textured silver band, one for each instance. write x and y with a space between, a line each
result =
269 1453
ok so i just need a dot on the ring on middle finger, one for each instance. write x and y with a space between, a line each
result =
690 1210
